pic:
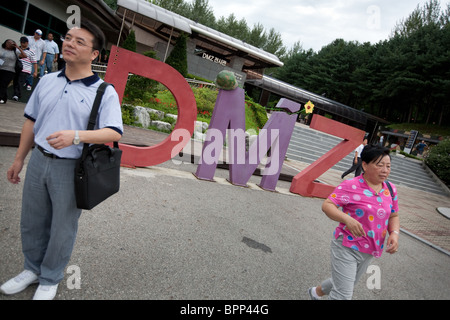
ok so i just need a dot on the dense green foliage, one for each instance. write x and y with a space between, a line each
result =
201 12
139 87
425 129
127 115
439 161
403 79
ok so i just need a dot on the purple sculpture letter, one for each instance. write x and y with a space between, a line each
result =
229 117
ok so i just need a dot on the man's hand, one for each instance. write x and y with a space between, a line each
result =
13 172
61 139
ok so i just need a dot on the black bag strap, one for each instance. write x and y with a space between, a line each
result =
98 98
390 190
93 117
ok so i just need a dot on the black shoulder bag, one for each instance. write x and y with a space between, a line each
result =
97 172
19 65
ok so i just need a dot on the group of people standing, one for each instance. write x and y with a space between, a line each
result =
36 55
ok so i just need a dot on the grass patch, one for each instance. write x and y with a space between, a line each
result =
163 100
424 129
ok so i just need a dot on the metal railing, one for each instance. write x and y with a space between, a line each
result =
101 68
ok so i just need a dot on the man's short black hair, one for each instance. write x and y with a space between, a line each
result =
99 37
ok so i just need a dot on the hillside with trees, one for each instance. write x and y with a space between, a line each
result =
404 79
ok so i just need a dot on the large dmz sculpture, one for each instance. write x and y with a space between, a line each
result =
228 119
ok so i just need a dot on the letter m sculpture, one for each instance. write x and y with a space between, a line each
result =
229 117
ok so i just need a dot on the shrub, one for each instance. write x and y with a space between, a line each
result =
255 114
205 99
141 87
127 115
259 113
439 161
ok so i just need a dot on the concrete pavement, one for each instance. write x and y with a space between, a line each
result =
167 235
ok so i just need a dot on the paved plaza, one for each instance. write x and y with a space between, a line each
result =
169 236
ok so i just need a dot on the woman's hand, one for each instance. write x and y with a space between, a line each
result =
335 214
392 243
355 227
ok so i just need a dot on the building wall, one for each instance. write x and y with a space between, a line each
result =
7 33
47 15
55 8
52 16
202 67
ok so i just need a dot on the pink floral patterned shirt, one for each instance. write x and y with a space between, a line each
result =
371 209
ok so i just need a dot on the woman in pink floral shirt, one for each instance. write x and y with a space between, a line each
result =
367 213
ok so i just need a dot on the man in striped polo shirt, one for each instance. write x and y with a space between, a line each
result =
29 68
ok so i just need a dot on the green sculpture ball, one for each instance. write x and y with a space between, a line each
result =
226 80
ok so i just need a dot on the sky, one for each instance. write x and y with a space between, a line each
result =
316 23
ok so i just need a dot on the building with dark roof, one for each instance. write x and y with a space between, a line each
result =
208 51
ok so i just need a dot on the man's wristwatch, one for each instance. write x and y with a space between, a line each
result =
76 140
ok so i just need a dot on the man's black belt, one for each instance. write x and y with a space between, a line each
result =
48 154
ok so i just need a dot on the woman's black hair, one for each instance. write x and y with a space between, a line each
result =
373 153
4 43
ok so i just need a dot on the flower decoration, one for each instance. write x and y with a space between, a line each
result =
309 108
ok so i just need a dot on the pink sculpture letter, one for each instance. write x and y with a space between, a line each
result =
122 62
303 183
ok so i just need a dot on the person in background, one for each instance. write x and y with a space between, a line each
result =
9 53
29 68
369 214
420 147
61 62
356 166
50 55
381 141
37 45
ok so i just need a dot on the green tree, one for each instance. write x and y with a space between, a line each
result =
111 3
178 6
233 27
130 42
201 12
403 79
178 57
141 88
257 36
274 43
